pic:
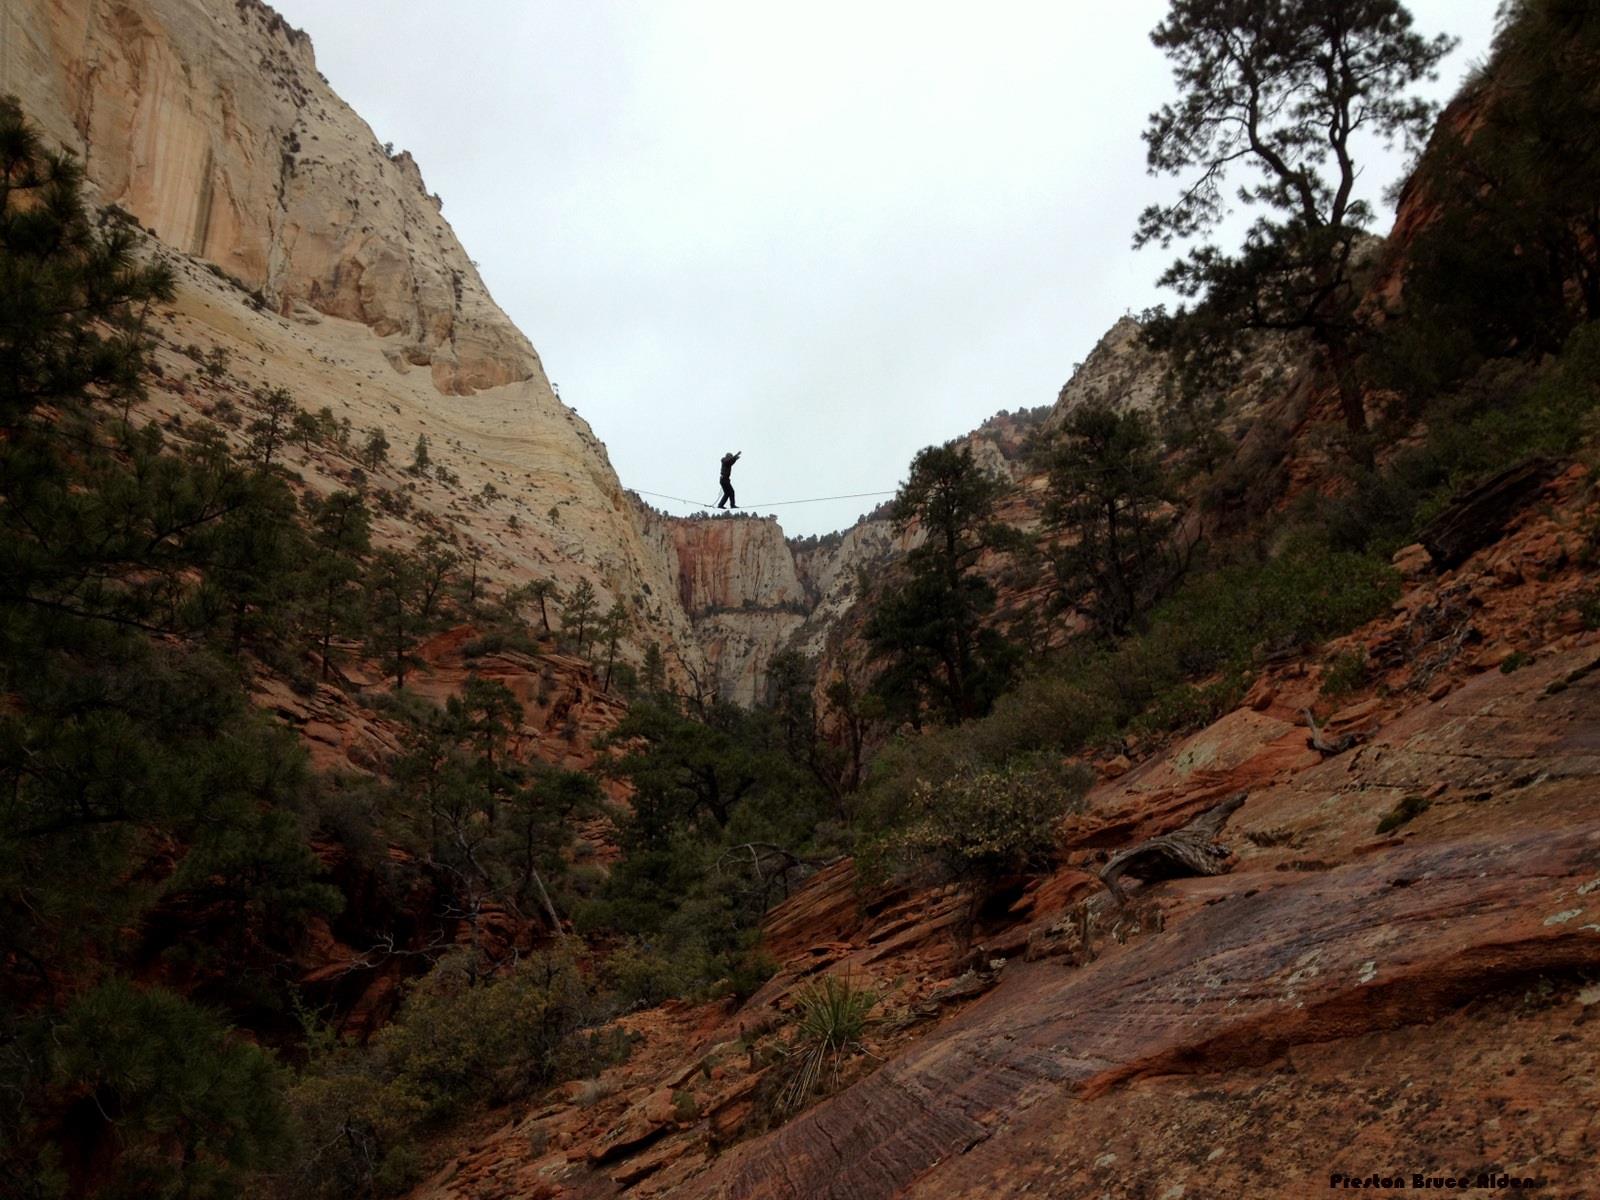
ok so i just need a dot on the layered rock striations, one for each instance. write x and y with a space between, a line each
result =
211 124
734 562
735 577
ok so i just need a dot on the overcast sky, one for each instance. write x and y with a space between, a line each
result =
825 234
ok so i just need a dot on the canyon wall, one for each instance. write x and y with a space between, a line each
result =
311 259
317 261
212 125
736 579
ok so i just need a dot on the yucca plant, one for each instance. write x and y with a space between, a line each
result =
833 1014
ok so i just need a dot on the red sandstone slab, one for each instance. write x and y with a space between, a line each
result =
1374 945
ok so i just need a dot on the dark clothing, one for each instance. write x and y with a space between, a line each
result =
727 481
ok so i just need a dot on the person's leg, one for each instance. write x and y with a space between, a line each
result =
732 503
726 492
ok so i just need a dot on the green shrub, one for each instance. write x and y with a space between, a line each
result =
354 1139
1506 410
1043 713
685 924
462 1036
640 977
986 824
1346 673
750 971
494 641
1189 706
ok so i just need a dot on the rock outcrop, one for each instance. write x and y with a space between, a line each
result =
1119 371
734 562
832 569
736 580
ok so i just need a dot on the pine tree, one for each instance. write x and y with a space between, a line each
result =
341 533
375 450
394 593
471 585
577 610
420 461
273 427
610 630
130 751
791 698
436 565
306 429
72 297
1108 498
1285 88
654 670
544 591
931 628
253 556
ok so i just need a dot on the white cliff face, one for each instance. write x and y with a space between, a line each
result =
739 645
210 123
1123 372
1119 371
320 264
833 575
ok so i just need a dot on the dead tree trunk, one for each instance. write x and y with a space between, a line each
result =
1475 518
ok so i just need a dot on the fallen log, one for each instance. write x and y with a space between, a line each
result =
1475 517
1190 849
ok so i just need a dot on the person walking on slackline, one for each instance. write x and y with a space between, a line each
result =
727 481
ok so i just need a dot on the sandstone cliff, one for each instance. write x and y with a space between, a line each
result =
1118 371
736 580
212 125
734 562
314 261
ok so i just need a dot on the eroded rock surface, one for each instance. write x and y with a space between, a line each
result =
1486 895
1343 1001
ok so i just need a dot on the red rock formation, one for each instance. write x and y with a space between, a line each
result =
734 562
737 581
353 966
1343 1001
